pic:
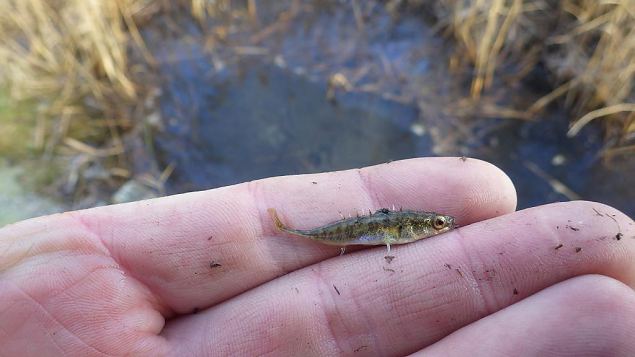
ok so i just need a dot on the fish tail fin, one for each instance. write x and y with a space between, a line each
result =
276 220
283 228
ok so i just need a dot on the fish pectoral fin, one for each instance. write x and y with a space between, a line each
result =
388 240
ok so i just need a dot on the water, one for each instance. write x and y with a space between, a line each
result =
269 122
539 158
256 105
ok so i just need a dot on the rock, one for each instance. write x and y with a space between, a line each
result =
16 203
133 190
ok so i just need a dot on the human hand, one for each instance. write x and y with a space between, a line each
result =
206 273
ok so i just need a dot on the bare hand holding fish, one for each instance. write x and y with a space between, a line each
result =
208 274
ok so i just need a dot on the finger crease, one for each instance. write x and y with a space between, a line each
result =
367 187
483 306
321 286
259 201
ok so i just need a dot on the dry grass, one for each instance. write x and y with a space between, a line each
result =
202 9
588 46
70 57
68 62
65 49
16 122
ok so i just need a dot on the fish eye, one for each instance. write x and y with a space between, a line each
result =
439 222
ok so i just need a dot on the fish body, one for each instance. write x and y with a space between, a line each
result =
384 227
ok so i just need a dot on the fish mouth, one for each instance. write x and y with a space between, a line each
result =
450 225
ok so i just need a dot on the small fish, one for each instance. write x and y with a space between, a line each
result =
382 227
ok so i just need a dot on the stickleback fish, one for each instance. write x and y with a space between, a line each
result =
382 227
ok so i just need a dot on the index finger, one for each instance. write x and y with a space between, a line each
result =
197 249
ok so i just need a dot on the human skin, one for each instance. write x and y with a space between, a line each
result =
207 274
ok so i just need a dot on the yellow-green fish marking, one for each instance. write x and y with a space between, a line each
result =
382 227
